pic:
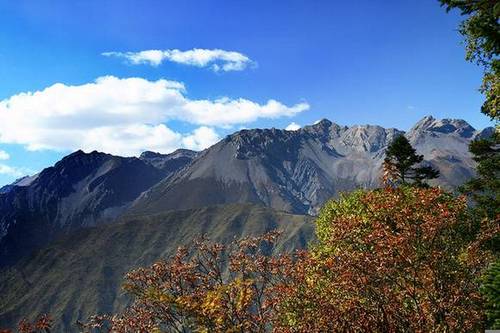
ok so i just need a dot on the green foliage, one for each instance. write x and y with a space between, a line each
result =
485 188
491 292
400 164
485 192
386 205
348 204
403 259
481 30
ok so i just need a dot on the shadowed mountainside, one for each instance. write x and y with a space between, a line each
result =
79 191
81 274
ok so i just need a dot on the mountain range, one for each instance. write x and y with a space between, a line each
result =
69 233
297 171
79 191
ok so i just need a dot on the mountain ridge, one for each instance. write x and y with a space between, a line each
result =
69 233
289 171
80 190
296 171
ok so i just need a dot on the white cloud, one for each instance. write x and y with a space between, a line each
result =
201 138
11 171
4 155
292 127
225 111
218 60
129 140
123 116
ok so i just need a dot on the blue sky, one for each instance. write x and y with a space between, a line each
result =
385 62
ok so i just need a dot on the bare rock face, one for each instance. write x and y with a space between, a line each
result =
169 163
21 182
445 145
297 171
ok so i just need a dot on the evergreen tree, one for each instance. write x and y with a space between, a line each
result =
401 164
490 290
484 190
481 30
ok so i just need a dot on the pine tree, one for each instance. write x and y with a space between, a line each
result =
401 164
481 30
490 290
484 189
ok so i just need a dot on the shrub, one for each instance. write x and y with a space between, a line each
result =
396 259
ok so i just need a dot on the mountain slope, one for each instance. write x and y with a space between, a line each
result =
21 182
169 163
297 171
445 143
292 171
79 191
81 274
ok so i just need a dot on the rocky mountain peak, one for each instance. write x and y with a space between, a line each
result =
293 171
424 123
148 155
169 162
485 133
81 190
256 137
80 158
264 143
325 129
323 123
445 126
368 138
181 152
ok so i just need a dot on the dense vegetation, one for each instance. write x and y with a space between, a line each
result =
481 30
404 259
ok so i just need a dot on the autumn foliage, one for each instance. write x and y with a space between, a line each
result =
208 288
404 259
393 260
42 324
